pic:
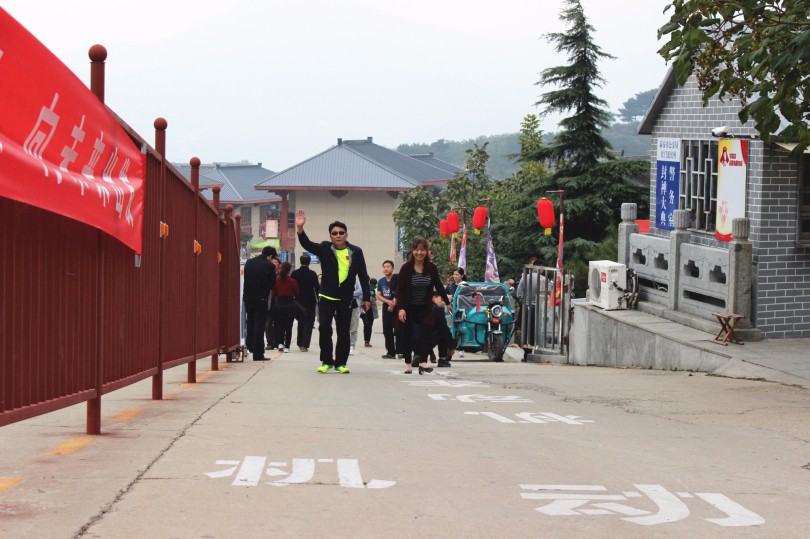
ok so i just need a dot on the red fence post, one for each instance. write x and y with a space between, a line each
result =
98 55
160 125
195 182
215 356
237 220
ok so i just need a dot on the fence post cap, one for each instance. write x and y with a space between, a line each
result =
161 124
97 53
194 162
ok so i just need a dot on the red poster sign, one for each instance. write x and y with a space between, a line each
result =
60 149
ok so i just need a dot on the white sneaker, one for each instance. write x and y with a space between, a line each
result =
461 353
351 350
281 347
286 350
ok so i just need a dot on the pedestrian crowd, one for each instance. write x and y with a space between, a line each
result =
413 304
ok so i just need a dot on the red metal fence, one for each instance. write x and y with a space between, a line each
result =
81 315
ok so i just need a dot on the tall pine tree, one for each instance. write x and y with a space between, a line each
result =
580 159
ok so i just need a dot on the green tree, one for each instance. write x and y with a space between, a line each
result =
515 227
416 215
583 164
468 189
580 144
636 107
757 51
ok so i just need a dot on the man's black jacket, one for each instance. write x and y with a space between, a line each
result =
329 268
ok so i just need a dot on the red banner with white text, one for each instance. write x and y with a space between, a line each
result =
60 148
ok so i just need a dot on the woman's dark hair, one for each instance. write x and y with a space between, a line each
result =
419 242
285 270
460 271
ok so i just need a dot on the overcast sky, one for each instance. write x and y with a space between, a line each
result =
277 82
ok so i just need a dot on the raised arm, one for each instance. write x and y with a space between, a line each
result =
303 239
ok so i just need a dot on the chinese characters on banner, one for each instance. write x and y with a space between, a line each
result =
667 181
60 148
732 172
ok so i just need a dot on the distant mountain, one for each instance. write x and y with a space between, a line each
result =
503 148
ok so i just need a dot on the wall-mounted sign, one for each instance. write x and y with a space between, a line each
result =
732 171
667 181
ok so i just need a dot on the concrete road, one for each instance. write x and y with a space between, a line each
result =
273 450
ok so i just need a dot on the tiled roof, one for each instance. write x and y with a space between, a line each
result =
358 164
237 180
428 159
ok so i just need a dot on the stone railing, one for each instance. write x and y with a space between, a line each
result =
685 277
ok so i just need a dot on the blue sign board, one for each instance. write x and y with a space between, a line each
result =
314 258
667 182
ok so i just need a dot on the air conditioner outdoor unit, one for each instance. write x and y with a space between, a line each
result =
605 278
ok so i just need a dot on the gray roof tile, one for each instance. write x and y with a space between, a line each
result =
238 180
359 164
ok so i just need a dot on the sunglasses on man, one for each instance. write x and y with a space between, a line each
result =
338 232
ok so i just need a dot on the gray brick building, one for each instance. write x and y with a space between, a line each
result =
776 204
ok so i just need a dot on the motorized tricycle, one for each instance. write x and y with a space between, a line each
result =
483 318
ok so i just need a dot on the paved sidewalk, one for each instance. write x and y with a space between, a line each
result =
214 458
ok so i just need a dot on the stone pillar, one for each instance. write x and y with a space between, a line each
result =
676 238
741 271
626 227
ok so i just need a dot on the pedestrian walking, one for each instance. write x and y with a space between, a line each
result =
458 278
341 263
308 287
284 293
260 278
357 314
386 292
418 277
269 326
372 314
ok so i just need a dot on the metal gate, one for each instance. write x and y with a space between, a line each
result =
544 311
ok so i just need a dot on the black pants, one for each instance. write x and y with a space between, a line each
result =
391 339
441 333
255 319
417 336
269 327
306 321
368 322
283 321
341 313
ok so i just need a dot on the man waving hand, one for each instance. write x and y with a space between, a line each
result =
341 264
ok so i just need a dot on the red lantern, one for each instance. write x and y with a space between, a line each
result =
453 222
443 228
545 214
479 219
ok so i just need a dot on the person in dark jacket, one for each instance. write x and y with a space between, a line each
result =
308 299
386 292
418 277
341 264
260 278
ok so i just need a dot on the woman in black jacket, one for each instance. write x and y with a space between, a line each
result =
418 277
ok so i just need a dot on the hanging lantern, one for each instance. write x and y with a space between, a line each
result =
479 219
453 222
443 228
545 213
